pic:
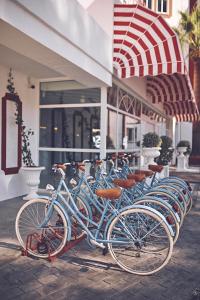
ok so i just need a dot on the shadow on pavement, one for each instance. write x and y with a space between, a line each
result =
9 246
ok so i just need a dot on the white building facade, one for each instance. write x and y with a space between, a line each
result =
61 56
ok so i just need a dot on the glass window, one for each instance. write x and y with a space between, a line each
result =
112 95
111 139
159 5
123 131
48 158
129 104
70 127
115 130
118 133
148 3
67 92
162 6
117 97
132 132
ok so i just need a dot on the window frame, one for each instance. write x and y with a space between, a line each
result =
69 105
4 128
168 13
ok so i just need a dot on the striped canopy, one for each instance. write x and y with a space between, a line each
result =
145 45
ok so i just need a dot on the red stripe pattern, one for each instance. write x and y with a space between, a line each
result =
145 45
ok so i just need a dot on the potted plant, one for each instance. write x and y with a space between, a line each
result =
151 147
166 154
186 145
184 149
30 171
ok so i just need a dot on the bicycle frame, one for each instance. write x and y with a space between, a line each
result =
58 199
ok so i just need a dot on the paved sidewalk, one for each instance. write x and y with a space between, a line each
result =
85 274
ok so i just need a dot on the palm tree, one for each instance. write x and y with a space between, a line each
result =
189 32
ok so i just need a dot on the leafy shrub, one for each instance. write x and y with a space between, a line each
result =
166 151
151 139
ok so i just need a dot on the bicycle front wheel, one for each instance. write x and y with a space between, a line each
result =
41 241
136 237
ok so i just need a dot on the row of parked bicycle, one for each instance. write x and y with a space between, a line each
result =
132 214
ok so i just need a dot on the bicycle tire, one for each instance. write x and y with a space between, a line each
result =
53 237
170 199
136 268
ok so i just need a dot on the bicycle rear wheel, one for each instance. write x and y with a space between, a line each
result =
136 237
37 240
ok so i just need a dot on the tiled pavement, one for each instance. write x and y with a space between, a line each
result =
85 274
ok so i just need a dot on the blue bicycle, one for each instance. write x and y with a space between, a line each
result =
138 238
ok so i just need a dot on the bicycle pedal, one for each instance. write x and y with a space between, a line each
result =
42 247
105 251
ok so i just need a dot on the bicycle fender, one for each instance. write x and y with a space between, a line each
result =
161 190
161 201
43 197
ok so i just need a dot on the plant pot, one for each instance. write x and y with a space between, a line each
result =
32 178
181 150
187 161
150 154
165 172
181 161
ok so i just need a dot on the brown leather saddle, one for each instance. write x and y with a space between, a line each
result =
111 194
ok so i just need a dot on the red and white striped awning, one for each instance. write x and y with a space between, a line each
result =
145 45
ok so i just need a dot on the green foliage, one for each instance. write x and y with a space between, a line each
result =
25 133
185 143
10 85
166 151
151 139
189 31
166 142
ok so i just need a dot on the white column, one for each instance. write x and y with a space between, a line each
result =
117 127
103 120
173 131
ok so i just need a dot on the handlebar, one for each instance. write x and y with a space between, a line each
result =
80 165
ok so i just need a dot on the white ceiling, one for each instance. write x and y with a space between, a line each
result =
20 52
16 61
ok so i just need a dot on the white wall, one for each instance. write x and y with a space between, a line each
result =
102 12
173 21
177 5
66 29
152 126
183 132
13 185
137 84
